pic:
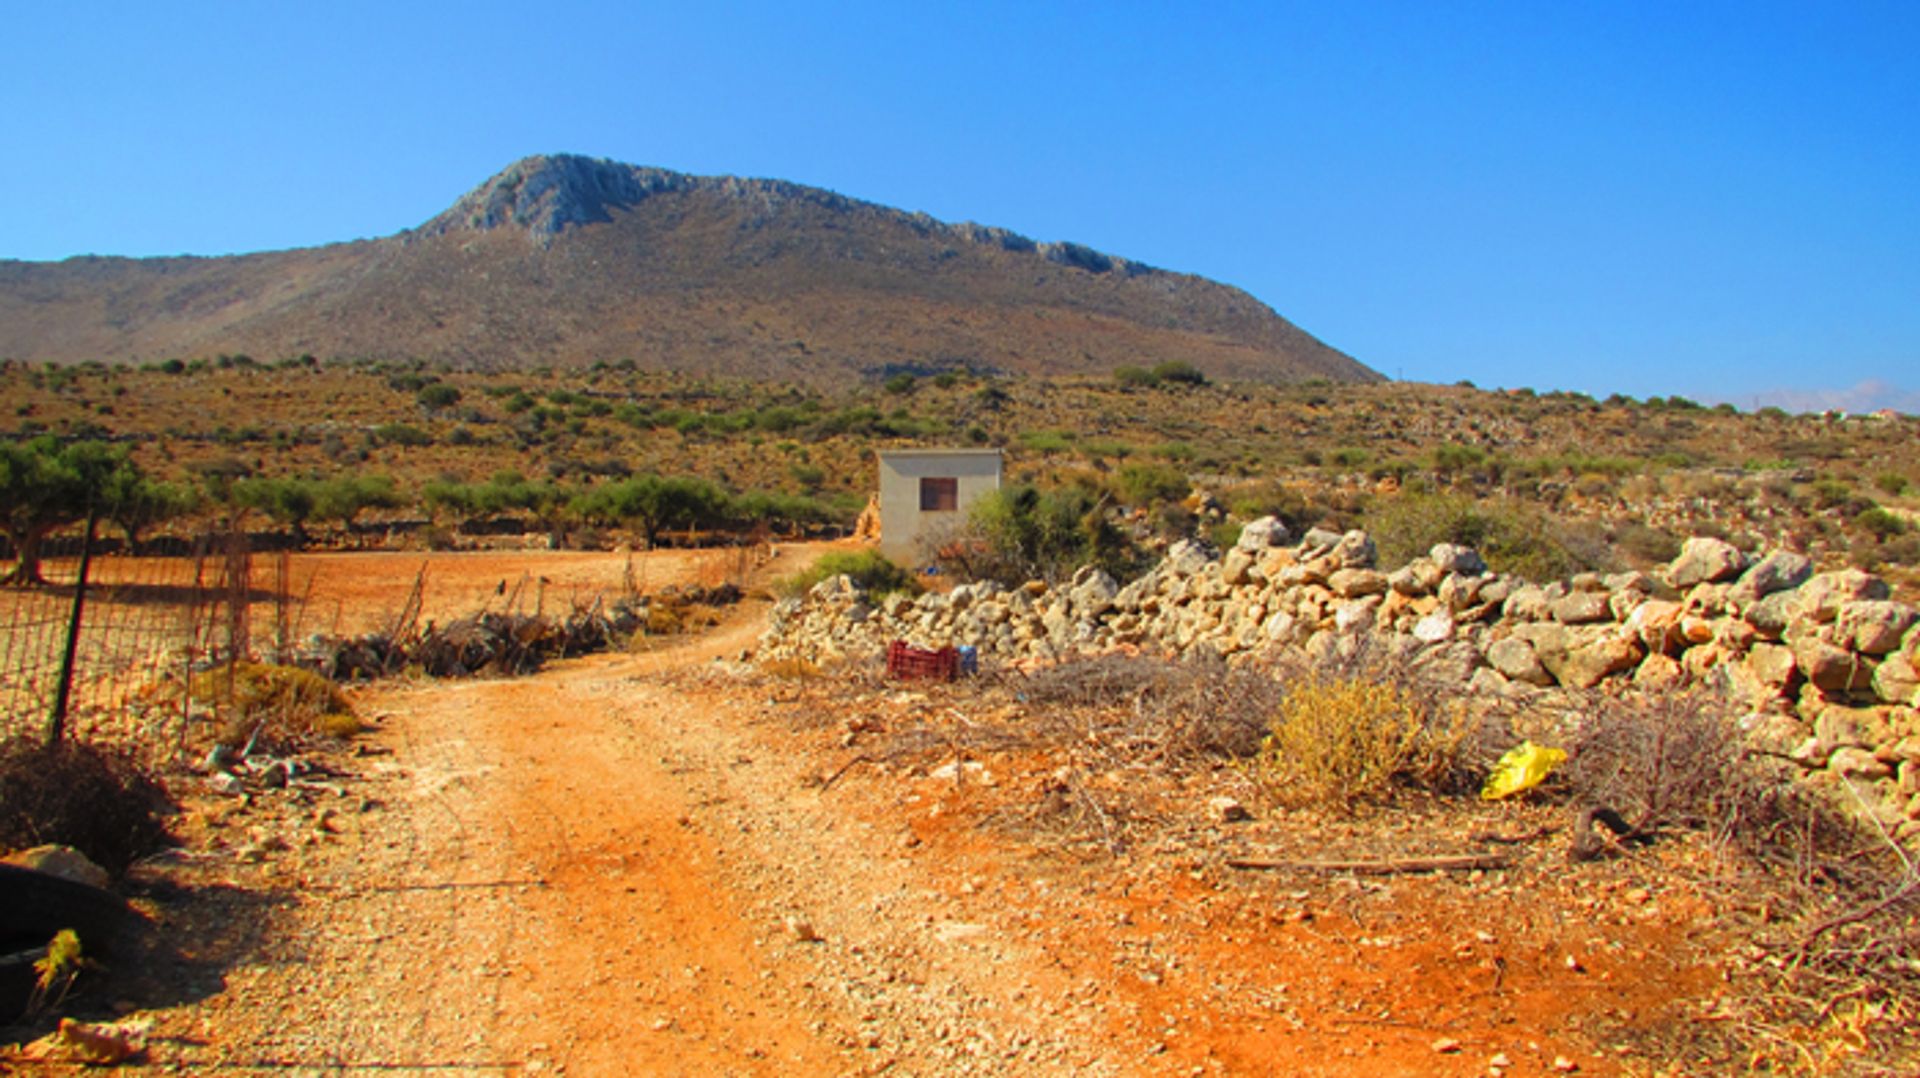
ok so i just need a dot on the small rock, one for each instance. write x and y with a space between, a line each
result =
1446 1045
62 861
1500 1061
801 929
1565 1065
1228 810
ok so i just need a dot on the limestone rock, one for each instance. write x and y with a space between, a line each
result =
1454 558
1434 628
1259 535
1356 583
1318 541
1705 560
1821 597
1657 623
1092 592
1611 653
1777 572
1658 673
1355 550
1528 602
1236 568
1831 668
1771 615
1896 681
1189 556
1858 763
1515 660
1582 608
1872 626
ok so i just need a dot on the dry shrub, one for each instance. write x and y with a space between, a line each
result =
100 802
1135 708
1341 739
1843 899
790 668
275 700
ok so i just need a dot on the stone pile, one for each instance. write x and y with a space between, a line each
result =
1826 664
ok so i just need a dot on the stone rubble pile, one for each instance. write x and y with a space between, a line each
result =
1826 664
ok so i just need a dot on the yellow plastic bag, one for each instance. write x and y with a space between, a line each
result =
1522 768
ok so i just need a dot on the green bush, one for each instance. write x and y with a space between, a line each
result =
1880 523
1150 484
871 571
1513 539
1020 533
1180 372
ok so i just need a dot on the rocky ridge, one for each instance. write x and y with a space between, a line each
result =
569 260
1826 666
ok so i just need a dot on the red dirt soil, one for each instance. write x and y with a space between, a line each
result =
628 864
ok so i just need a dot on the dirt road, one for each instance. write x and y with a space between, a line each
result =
629 864
611 868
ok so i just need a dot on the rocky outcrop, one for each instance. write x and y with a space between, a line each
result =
1807 654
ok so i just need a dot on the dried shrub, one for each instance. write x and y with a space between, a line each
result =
100 802
1133 708
790 669
275 701
1847 896
1338 740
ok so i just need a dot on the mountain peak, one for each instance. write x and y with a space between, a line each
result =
548 193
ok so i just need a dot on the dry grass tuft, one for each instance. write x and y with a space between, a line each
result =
260 699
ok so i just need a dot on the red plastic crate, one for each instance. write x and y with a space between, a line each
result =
910 663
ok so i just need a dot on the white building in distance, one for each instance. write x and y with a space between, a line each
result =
924 496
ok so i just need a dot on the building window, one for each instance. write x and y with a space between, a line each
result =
939 495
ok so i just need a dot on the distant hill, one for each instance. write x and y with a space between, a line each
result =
567 260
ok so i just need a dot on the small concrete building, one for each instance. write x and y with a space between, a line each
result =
924 495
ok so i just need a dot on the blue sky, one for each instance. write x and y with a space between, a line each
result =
1716 200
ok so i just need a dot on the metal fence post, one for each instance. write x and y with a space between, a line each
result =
57 722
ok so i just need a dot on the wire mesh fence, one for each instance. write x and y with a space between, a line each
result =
105 649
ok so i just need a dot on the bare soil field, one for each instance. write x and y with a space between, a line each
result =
667 862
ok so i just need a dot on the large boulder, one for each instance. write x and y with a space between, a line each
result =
1454 558
1610 653
1582 608
1872 626
1705 560
1831 668
1260 535
1355 550
1189 556
1822 596
1357 583
1092 592
1528 602
1515 659
1779 571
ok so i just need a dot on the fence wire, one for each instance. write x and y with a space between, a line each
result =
146 625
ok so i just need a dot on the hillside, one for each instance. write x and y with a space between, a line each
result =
567 261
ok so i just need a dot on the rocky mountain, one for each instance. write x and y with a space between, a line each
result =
569 260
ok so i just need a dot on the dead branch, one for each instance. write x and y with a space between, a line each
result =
1387 867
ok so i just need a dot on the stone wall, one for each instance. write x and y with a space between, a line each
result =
1823 664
